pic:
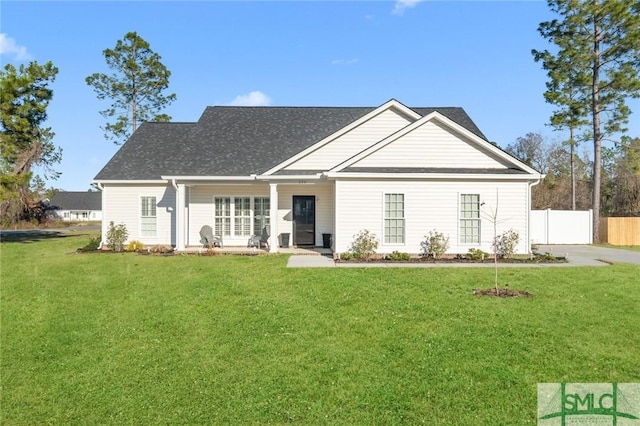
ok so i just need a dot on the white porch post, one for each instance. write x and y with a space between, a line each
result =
273 215
180 200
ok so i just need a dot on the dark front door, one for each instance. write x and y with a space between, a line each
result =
304 220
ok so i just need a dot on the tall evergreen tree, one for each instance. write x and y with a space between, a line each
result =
135 88
24 141
595 69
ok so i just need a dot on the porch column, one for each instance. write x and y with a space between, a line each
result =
273 215
180 199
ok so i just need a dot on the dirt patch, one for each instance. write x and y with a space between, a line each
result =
502 292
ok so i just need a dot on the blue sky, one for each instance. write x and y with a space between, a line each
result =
472 54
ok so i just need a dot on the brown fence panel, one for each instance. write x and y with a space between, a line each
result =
620 231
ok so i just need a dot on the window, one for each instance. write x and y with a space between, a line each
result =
148 220
66 215
394 218
242 216
261 209
235 217
223 216
85 215
469 219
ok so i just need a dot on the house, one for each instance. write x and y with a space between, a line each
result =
77 206
308 172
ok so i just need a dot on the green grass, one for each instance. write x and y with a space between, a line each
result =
633 248
128 339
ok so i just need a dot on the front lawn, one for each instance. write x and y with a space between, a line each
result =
129 339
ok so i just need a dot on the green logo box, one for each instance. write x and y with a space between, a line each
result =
565 404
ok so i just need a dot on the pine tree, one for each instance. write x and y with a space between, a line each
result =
135 88
24 141
595 69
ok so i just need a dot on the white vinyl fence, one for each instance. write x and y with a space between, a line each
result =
561 226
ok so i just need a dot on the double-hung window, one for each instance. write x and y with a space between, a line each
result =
148 218
242 216
470 218
394 218
261 209
223 216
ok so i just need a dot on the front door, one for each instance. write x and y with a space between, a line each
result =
304 220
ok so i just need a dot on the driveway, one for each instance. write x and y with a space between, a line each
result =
585 255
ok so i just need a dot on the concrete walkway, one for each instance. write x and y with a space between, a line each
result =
578 255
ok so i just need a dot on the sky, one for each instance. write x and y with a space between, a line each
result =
471 54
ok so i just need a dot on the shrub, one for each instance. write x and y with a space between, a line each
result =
135 246
435 244
116 236
160 249
398 256
345 256
477 254
93 244
364 245
505 243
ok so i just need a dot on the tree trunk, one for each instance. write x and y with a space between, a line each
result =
573 170
597 137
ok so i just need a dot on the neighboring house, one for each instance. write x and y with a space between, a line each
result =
77 206
398 172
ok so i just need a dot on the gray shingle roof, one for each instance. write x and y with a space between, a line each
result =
71 200
236 141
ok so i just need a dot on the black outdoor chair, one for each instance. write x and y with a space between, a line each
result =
260 241
208 239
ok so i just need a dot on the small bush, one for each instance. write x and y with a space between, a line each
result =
116 236
477 254
435 244
160 249
93 244
364 245
135 246
345 256
505 243
398 256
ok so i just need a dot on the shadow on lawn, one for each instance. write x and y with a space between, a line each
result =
34 235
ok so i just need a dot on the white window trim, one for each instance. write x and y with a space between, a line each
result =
140 197
232 215
404 211
465 244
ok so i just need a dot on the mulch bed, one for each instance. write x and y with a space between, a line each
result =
502 292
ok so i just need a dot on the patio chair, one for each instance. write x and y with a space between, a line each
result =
260 241
208 239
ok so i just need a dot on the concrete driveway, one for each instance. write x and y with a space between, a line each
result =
585 255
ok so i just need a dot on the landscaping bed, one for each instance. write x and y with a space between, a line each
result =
384 258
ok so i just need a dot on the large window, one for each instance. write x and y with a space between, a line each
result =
470 219
148 219
242 216
261 208
223 216
394 218
237 211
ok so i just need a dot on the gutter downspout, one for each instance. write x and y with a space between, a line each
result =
103 230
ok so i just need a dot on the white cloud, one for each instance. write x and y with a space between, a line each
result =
9 47
344 61
402 5
255 98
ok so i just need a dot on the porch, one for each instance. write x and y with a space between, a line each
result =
239 250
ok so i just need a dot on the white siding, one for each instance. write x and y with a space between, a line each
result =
430 145
324 208
429 205
200 202
121 204
201 208
351 143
